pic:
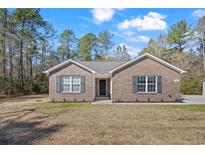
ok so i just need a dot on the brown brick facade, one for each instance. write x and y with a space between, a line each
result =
122 82
71 69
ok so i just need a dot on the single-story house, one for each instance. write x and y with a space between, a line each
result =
143 79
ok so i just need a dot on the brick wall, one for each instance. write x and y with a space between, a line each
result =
122 82
71 69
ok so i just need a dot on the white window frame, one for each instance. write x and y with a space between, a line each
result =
71 84
146 84
142 84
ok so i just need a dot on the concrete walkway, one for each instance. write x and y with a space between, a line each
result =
102 102
194 99
187 100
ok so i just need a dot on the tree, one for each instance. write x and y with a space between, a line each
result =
87 45
200 35
68 45
157 47
26 22
121 53
48 34
35 22
23 34
4 19
178 34
105 43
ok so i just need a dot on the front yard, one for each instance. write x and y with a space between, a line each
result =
68 123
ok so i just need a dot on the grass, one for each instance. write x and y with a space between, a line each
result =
58 105
84 123
189 107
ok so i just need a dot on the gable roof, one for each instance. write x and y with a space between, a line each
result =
104 67
67 62
101 67
151 57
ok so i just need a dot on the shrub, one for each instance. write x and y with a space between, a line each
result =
191 85
40 84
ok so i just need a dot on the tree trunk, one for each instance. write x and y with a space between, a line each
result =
180 48
42 56
4 43
30 67
10 63
21 64
204 55
21 70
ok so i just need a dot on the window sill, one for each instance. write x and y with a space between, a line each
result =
70 92
147 92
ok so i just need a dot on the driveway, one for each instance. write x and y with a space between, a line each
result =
194 99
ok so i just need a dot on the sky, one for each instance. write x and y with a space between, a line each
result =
132 27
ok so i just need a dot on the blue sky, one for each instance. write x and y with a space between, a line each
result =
133 27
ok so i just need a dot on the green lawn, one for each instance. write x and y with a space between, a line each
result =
189 107
58 105
85 123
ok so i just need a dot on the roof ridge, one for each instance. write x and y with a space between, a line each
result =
102 61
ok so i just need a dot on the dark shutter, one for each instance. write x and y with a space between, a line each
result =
58 84
82 84
159 84
134 84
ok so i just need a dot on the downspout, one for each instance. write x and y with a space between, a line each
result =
111 87
93 86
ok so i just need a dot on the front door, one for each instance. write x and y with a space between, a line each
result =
102 87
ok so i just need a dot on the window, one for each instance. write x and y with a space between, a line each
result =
146 84
71 84
76 83
151 84
141 83
66 83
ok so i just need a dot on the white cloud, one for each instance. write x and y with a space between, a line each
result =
198 13
140 38
132 51
83 26
152 21
84 18
121 9
102 15
128 33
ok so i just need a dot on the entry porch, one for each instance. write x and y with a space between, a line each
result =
102 89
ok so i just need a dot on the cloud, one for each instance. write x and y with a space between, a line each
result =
83 26
102 15
121 14
128 33
130 36
132 51
152 21
140 38
84 18
198 13
121 9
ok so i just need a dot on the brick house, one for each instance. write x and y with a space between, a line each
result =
143 79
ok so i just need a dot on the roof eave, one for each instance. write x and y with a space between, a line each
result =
66 62
152 57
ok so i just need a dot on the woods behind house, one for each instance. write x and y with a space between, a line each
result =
29 45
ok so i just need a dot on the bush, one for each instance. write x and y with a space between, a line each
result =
191 85
12 87
40 84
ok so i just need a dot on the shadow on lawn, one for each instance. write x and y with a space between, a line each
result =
24 132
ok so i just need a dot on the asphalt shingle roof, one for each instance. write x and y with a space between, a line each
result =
101 66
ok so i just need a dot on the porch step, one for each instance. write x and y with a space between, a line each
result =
101 98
